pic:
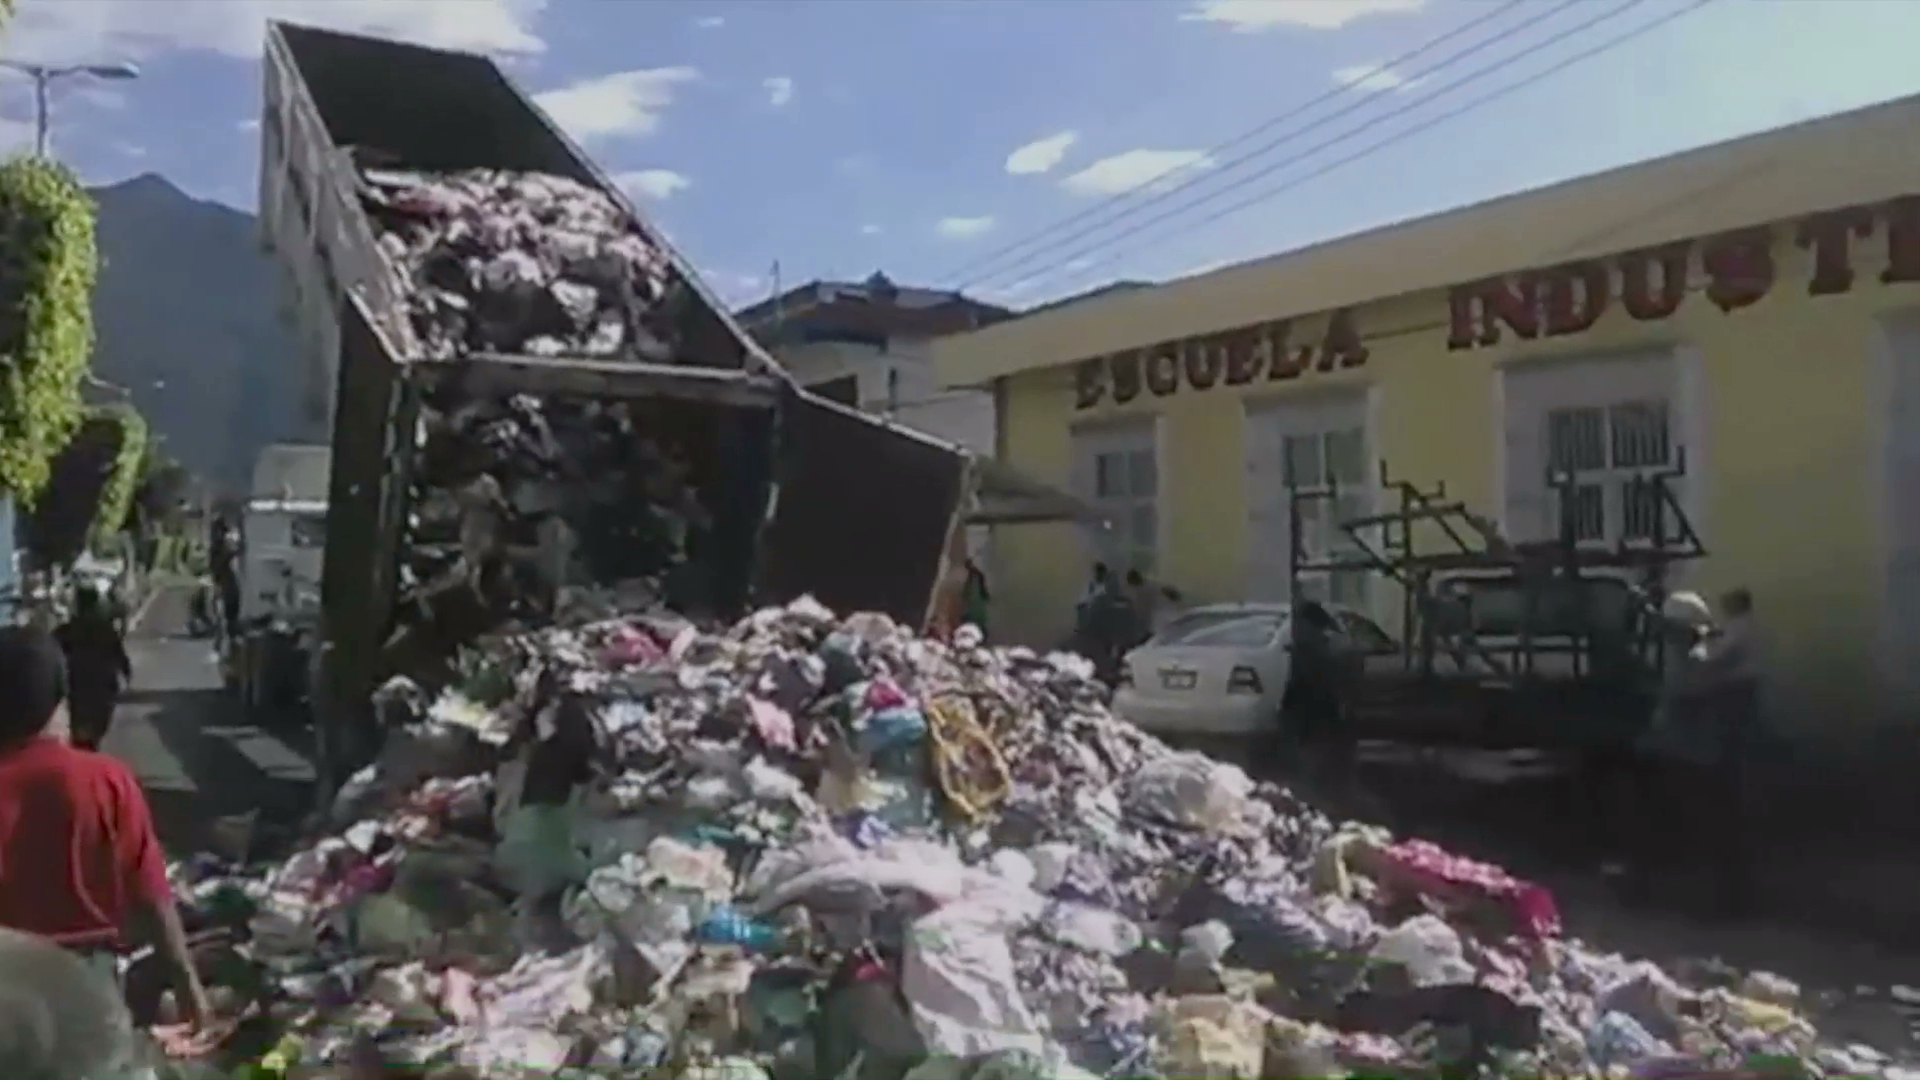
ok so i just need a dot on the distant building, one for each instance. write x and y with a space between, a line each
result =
866 344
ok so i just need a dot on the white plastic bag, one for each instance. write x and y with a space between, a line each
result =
1190 790
958 978
1428 948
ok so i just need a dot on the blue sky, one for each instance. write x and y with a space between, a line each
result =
843 136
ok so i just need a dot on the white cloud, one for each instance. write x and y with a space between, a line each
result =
779 89
1254 16
132 150
1134 169
869 230
1374 78
623 103
652 183
1041 155
963 228
117 29
249 125
711 22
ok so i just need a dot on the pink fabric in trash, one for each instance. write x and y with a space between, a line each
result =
1427 868
630 645
883 694
772 723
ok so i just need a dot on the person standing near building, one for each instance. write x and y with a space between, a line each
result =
975 597
1146 600
1696 752
1730 663
80 863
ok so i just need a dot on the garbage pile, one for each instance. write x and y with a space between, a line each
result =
516 497
516 262
518 501
809 847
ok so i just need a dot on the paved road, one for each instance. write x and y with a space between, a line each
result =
203 765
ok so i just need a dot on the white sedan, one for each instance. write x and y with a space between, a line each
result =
1221 669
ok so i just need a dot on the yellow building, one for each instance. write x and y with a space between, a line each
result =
1751 308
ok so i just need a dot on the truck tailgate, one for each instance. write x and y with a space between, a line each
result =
863 512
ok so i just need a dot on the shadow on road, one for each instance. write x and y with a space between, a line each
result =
231 774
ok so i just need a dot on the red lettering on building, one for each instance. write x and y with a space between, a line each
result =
1637 269
1341 347
1830 237
1903 240
1163 369
1574 297
1511 301
1089 382
1739 266
1125 367
1202 362
1246 352
1288 361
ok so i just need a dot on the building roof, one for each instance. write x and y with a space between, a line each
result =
875 307
1862 156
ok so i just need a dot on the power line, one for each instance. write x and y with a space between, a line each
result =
1260 129
1475 103
1414 101
1159 194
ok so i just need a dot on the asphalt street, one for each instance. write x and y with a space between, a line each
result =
207 769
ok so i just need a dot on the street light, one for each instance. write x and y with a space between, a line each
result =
44 74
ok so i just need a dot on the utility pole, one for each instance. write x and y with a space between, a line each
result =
43 76
779 305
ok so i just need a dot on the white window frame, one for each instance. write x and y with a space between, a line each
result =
1320 534
1117 470
1313 420
1529 394
1602 447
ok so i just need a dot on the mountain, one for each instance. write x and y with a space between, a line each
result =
185 319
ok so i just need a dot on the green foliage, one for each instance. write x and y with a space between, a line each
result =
163 483
129 464
47 268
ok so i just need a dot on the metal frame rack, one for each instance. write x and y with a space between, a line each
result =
1459 543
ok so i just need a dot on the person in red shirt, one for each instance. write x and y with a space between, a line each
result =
80 863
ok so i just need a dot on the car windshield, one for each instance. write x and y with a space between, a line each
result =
1222 629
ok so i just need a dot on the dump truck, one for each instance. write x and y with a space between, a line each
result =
805 496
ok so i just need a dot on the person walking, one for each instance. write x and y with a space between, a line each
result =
80 862
223 566
97 667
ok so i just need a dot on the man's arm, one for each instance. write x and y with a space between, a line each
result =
153 917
